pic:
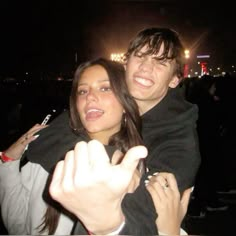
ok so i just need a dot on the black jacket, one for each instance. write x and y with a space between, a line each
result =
169 132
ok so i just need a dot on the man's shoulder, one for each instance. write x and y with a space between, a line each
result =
173 107
62 119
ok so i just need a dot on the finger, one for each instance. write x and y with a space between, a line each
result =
160 186
163 181
98 157
156 191
30 139
55 186
131 158
163 174
81 160
171 180
69 170
153 189
30 133
185 199
35 129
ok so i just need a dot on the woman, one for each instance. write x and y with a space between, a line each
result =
102 109
114 120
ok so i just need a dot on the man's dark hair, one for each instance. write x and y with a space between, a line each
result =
153 39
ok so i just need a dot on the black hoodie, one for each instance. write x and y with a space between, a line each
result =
169 132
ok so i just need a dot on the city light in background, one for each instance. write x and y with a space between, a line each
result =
186 66
66 42
187 53
119 57
198 66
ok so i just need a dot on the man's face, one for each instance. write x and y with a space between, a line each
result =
148 79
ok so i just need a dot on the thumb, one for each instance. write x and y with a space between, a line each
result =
117 157
132 157
54 187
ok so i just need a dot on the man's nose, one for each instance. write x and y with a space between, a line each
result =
146 65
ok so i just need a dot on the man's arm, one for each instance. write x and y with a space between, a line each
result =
173 147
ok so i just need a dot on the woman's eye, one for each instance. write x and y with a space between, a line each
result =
104 89
81 92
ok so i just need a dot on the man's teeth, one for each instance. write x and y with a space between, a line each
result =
145 82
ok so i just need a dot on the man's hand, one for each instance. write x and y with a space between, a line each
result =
92 188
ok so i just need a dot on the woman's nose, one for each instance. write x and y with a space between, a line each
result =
92 95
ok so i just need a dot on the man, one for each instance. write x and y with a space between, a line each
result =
154 68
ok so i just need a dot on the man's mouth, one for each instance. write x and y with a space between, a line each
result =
143 81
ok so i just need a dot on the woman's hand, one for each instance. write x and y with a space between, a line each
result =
91 187
170 208
134 183
17 149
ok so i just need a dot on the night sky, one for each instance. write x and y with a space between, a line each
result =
44 36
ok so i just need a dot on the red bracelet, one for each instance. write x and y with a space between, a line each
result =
6 158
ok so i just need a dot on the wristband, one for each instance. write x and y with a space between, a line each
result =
5 158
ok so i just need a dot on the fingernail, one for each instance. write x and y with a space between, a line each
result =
146 181
192 189
36 136
156 173
150 176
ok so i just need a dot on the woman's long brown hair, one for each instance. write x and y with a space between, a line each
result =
128 136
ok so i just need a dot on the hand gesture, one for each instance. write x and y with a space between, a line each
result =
91 187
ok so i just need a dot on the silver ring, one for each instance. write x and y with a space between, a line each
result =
166 186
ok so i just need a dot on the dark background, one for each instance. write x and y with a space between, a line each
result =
45 37
42 40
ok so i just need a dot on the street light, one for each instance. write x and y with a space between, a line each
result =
186 53
186 66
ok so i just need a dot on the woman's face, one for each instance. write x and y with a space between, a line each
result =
99 110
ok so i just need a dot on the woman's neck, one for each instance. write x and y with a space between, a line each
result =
101 138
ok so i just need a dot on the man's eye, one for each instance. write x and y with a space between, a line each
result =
139 55
160 62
